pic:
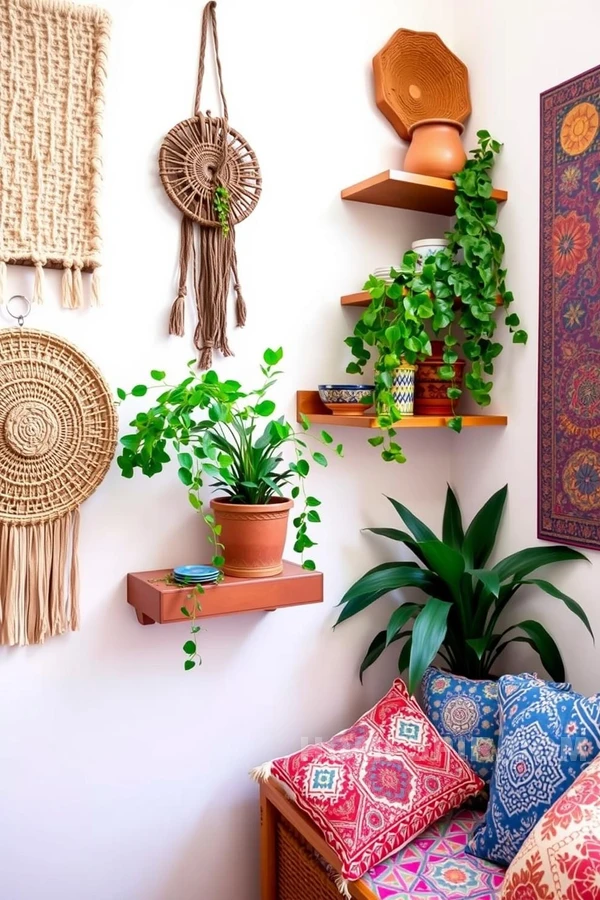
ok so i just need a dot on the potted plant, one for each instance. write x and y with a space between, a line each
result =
220 433
454 295
459 619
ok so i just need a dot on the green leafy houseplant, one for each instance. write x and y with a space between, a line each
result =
459 619
455 295
216 431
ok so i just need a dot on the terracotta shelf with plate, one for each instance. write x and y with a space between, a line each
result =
404 190
309 404
156 599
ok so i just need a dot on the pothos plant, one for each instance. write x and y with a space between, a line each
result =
455 295
218 432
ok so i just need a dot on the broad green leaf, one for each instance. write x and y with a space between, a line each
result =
428 635
479 645
185 460
399 618
185 476
568 601
139 390
309 565
394 534
319 458
189 664
414 525
404 658
265 408
158 375
189 647
326 437
452 529
488 578
272 357
518 565
121 394
481 533
545 646
446 562
383 579
312 501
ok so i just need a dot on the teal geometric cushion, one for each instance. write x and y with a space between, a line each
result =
465 713
435 866
548 736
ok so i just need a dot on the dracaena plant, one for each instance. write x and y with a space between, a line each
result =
464 597
230 438
457 295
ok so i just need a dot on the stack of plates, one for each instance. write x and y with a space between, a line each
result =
383 272
195 574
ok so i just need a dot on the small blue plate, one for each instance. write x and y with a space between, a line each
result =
195 572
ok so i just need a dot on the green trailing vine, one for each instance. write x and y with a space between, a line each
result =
222 206
455 295
219 433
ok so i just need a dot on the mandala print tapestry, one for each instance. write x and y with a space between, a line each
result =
569 394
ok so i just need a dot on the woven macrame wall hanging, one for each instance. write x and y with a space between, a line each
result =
58 431
52 74
211 174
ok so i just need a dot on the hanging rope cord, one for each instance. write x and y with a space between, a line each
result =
213 253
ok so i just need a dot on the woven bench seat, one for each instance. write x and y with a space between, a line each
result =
297 864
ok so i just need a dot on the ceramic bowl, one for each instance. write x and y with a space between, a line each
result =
346 399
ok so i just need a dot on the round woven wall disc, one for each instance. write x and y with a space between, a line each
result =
189 157
58 426
417 77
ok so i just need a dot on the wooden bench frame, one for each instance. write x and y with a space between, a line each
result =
274 805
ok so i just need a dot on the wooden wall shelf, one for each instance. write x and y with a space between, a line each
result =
309 404
404 190
155 600
363 298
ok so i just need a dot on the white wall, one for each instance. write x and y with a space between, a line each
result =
122 777
514 51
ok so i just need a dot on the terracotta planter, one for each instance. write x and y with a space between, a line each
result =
254 536
430 389
435 148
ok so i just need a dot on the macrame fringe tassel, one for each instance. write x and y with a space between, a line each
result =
38 284
343 887
67 289
261 773
240 306
3 282
39 590
95 289
177 317
77 289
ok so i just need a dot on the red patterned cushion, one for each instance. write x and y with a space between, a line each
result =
560 860
373 788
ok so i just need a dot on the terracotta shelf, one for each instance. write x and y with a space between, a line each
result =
309 404
155 600
407 191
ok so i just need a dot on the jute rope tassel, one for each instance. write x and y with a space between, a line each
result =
198 157
57 438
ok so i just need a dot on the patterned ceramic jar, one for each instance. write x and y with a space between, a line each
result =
428 247
403 388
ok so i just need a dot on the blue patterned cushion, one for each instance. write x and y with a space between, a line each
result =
465 713
548 735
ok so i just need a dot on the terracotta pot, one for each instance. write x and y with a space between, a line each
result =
253 536
430 389
435 148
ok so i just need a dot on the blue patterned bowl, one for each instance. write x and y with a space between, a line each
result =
347 399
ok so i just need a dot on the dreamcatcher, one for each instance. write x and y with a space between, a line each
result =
211 174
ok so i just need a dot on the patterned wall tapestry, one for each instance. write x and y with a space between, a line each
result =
569 394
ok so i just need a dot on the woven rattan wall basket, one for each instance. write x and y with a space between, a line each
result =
58 430
417 77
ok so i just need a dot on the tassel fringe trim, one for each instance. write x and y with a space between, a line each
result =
343 887
39 584
261 773
177 317
38 284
